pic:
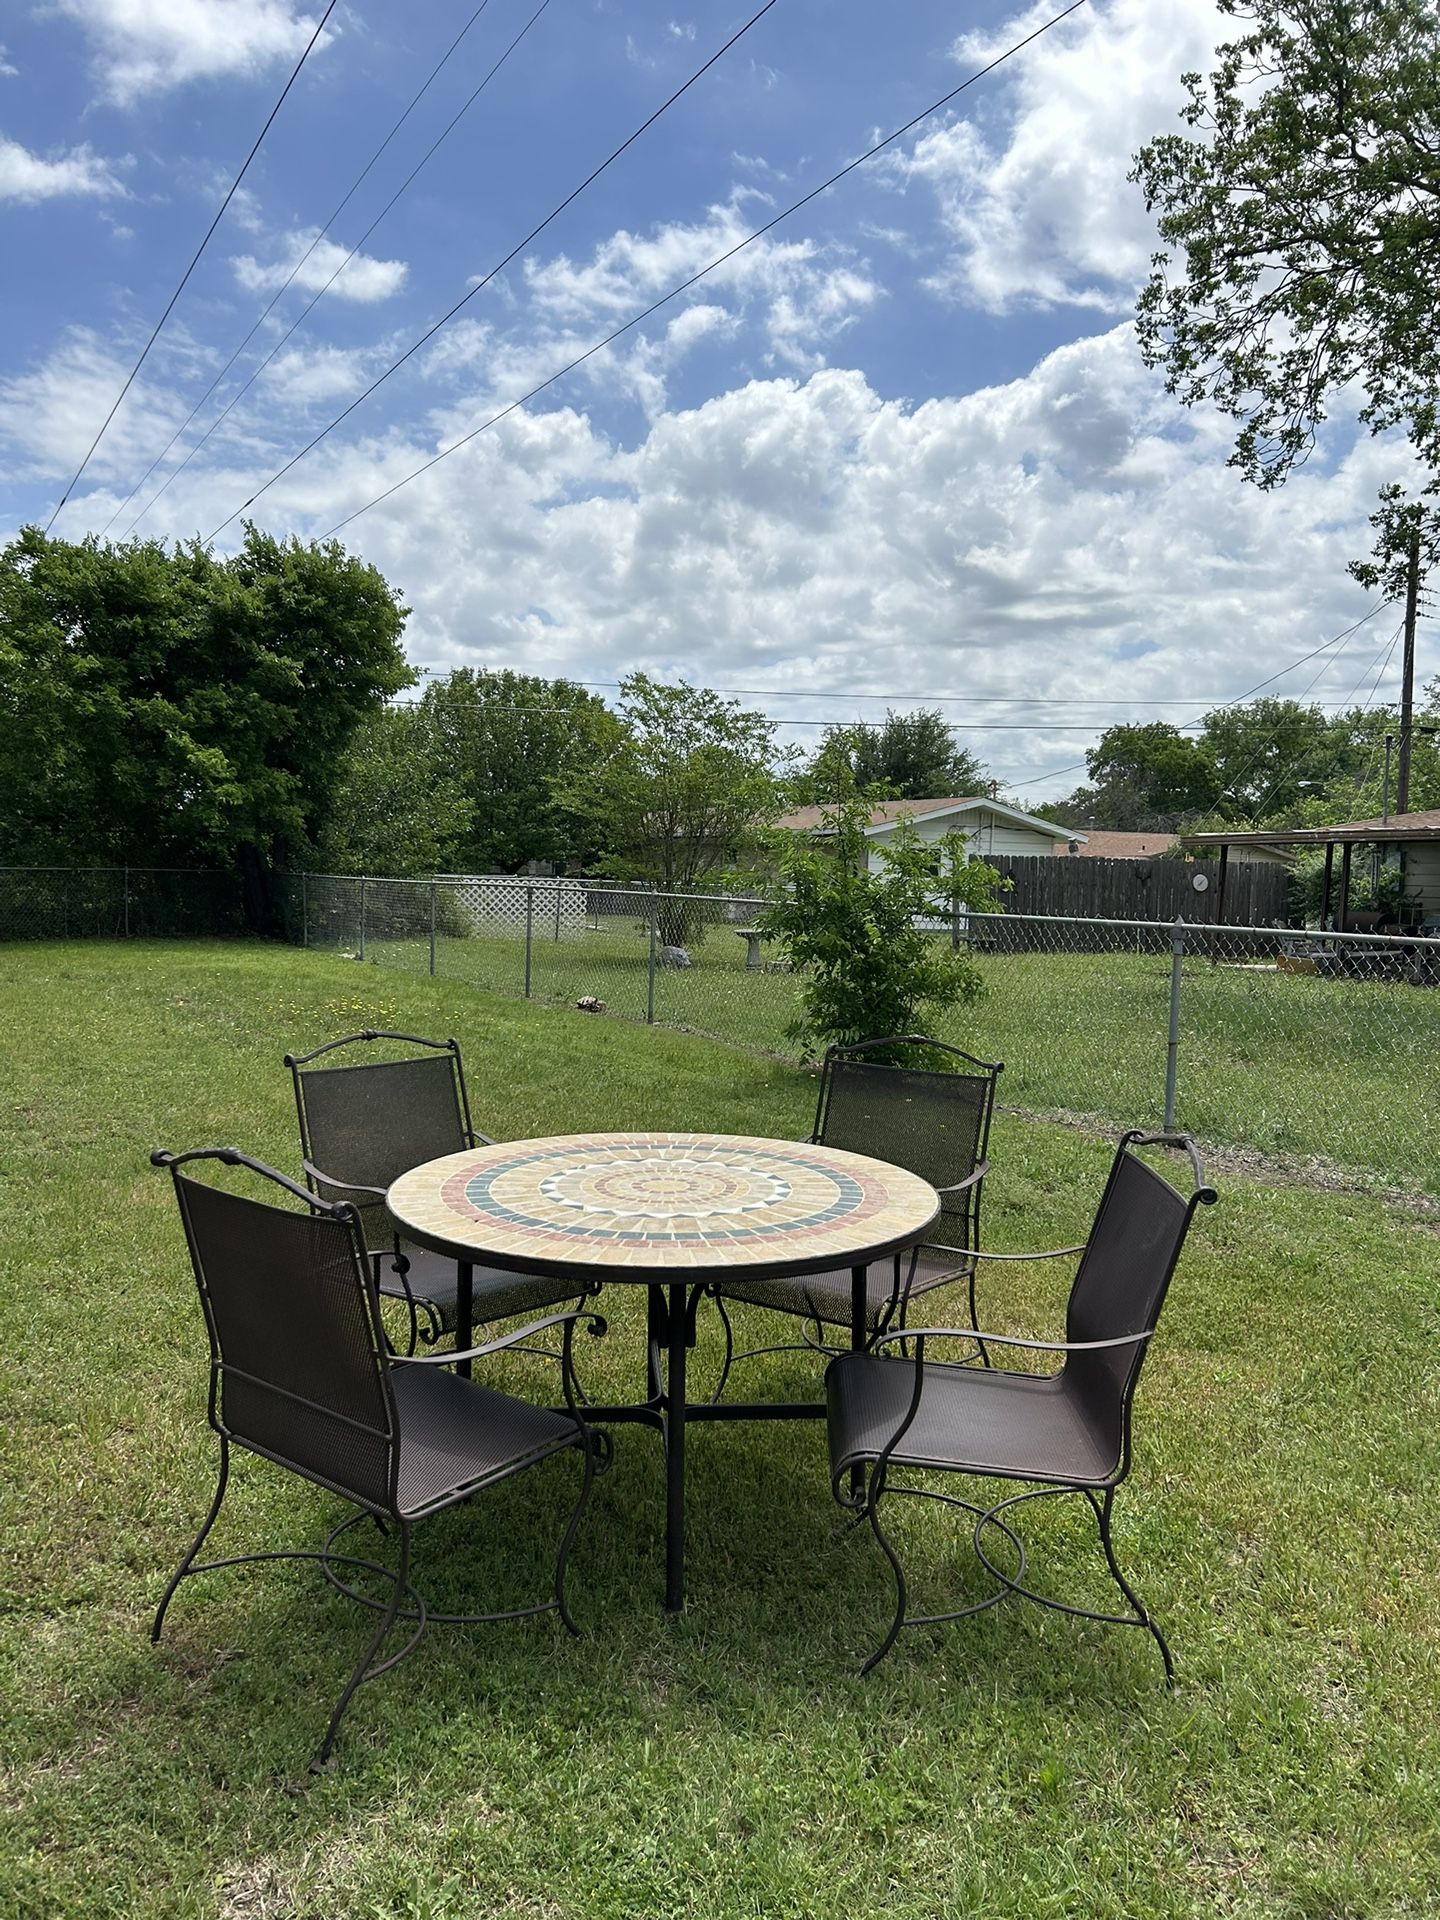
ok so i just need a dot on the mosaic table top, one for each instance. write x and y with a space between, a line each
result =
692 1203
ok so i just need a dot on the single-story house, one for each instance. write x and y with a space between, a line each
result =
991 828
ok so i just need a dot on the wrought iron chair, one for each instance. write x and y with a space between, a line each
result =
365 1122
932 1122
1068 1431
301 1374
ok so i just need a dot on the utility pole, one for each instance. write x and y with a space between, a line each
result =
1407 686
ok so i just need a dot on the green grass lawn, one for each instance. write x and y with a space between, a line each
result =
1282 1520
1283 1064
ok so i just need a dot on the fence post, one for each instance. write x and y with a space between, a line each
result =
432 929
304 910
529 930
556 884
1172 1050
362 916
650 982
125 897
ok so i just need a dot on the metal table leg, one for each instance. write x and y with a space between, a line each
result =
675 1410
465 1313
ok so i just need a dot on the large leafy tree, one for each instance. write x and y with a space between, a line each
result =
1142 778
398 808
685 791
512 741
1273 755
169 708
1301 219
912 756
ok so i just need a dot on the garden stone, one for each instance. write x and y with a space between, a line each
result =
672 957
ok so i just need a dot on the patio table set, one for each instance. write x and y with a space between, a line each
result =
405 1203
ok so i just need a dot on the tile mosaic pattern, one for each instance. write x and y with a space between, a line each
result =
662 1201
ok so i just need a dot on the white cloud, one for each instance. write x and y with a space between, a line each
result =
49 415
364 280
310 376
1068 534
799 297
30 177
7 70
1034 196
143 47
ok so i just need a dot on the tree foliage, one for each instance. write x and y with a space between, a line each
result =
168 708
398 807
1301 218
912 756
1143 778
512 741
867 968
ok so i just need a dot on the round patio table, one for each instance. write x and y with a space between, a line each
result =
667 1211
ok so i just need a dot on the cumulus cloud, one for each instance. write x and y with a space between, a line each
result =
143 47
1034 196
364 280
48 415
31 177
1066 534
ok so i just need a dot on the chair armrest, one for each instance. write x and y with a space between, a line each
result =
347 1186
970 1180
1011 1340
1050 1253
478 1139
597 1327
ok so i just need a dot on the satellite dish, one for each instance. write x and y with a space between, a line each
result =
1200 882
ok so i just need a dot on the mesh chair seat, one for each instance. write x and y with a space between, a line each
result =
826 1297
1022 1425
456 1434
499 1293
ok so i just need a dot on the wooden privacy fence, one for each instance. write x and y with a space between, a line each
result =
1255 892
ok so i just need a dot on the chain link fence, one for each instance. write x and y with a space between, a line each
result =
118 903
1314 1051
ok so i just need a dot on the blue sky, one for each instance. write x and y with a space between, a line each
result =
901 449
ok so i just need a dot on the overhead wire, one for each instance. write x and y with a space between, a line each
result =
320 293
289 281
500 265
195 261
684 286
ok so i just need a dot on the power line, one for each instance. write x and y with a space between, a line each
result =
684 286
500 265
289 280
230 195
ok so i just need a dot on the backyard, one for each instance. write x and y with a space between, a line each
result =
1281 1517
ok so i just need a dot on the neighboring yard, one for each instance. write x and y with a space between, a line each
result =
1285 1064
1282 1520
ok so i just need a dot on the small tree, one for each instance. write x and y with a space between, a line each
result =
869 969
693 781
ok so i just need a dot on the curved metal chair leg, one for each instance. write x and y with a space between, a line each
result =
729 1350
196 1543
562 1559
985 1359
877 1488
1101 1511
362 1670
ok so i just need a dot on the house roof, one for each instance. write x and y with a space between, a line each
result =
886 812
1396 831
1104 845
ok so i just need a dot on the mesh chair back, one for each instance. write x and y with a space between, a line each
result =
933 1124
1121 1282
299 1372
372 1120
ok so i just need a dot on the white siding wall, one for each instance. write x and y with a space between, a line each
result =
987 835
1422 874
